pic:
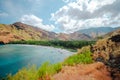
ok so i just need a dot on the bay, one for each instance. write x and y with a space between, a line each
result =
15 56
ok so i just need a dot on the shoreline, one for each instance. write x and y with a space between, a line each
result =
56 47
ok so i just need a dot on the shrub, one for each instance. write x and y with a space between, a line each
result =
32 73
29 73
83 57
47 70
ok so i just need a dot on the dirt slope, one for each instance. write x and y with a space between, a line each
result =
95 71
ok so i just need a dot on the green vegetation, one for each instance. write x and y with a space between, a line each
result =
29 73
61 44
84 57
47 70
32 73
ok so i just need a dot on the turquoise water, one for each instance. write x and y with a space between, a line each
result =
14 57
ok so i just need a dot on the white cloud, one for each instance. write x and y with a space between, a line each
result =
3 14
87 13
66 1
96 4
35 21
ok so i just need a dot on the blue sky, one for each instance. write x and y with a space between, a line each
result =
12 10
61 15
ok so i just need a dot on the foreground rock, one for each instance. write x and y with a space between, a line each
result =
95 71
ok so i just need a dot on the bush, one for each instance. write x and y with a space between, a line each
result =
29 73
47 70
32 73
83 57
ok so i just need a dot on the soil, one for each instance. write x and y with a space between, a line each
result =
94 71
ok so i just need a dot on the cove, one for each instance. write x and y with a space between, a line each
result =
15 56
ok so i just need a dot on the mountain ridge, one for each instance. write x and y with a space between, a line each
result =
21 31
96 32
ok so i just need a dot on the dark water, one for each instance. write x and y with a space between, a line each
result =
14 57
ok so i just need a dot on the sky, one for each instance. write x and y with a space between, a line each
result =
61 15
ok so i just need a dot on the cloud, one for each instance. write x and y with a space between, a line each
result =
3 14
20 7
66 1
82 14
35 21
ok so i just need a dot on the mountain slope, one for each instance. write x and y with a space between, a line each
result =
95 32
115 32
73 36
20 31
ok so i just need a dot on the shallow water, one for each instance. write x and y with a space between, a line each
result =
14 57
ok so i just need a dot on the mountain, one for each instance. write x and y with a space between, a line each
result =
73 36
115 32
20 31
96 32
79 36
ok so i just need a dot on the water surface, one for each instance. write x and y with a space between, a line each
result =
14 57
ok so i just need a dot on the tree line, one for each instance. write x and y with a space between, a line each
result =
57 43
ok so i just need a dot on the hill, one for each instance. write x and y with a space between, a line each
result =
96 32
73 36
112 33
23 32
20 31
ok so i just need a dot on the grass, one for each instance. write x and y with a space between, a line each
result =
47 70
81 58
32 73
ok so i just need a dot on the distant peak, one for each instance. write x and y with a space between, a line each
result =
18 23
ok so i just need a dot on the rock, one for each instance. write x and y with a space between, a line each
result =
1 42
